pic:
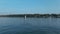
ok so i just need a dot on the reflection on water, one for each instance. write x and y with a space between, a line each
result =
29 26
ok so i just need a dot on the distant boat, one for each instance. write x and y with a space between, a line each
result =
25 17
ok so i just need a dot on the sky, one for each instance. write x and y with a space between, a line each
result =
29 6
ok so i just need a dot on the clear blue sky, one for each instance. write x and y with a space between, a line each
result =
29 6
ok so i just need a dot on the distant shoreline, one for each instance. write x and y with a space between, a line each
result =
33 15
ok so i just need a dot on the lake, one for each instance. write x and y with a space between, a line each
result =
16 25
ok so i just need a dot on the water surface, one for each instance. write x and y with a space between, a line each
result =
9 25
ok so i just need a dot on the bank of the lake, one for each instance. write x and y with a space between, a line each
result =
33 15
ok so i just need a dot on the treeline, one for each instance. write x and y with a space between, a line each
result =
33 15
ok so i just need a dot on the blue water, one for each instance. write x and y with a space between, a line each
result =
9 25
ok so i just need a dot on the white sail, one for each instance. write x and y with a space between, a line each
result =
25 17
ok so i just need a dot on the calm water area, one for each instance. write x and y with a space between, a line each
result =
16 25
